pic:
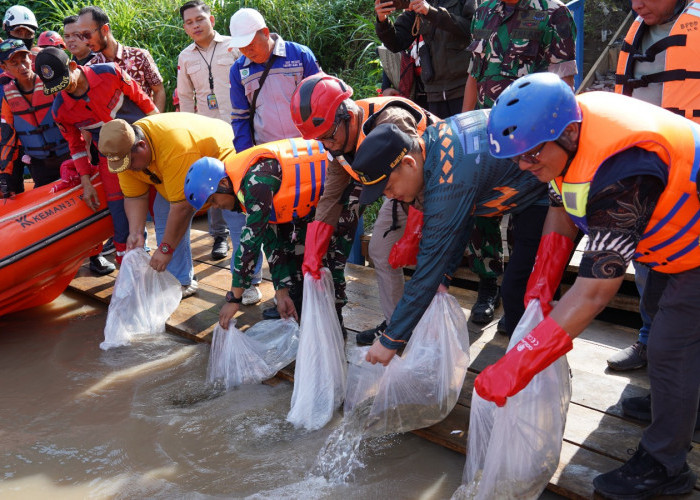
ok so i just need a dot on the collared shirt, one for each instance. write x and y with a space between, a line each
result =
273 118
176 140
138 63
111 94
193 78
513 40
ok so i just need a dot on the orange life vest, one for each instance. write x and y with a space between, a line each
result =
372 107
613 123
681 74
303 175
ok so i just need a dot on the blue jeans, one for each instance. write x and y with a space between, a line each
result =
236 221
641 272
217 223
181 263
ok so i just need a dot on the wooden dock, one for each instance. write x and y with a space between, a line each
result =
597 437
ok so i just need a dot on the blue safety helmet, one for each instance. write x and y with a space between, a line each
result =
533 109
202 180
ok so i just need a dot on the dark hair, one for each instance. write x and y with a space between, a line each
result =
191 5
70 20
98 15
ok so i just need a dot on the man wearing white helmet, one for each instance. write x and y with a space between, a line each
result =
20 23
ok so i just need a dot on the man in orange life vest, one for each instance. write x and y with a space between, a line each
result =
278 185
625 172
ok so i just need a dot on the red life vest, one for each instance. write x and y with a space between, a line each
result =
33 123
613 123
303 175
681 74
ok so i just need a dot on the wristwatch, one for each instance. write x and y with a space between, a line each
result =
165 249
231 298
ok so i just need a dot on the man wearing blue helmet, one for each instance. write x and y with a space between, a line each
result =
625 172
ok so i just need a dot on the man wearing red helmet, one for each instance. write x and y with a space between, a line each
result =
322 109
50 39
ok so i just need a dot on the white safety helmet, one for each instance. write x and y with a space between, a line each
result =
18 15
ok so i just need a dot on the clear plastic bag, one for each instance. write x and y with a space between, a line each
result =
238 358
362 385
421 387
513 451
142 301
319 375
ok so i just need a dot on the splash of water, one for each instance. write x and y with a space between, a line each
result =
340 457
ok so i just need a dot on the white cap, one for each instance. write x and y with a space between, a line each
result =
244 24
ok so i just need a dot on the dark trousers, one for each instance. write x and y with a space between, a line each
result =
443 109
673 303
525 231
45 171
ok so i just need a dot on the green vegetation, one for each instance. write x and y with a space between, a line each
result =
340 32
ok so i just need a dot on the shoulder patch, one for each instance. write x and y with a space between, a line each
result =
245 72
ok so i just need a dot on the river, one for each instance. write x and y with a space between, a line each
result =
139 422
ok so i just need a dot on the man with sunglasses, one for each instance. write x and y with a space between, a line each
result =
322 109
87 97
158 151
626 173
138 63
450 170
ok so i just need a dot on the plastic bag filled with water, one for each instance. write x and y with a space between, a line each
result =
362 385
252 356
319 375
142 300
420 387
513 451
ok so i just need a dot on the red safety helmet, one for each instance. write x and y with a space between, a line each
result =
176 98
50 39
314 103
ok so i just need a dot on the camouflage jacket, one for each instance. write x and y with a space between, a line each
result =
513 40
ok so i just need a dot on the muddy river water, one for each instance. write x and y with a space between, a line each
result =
140 422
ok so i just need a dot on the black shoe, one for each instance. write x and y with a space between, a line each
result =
640 409
220 248
271 313
630 358
368 337
642 476
488 299
501 326
339 311
101 266
108 247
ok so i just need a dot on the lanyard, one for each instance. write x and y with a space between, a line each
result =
211 77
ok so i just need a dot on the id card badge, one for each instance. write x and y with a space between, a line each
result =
211 102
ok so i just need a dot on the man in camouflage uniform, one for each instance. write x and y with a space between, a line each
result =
511 39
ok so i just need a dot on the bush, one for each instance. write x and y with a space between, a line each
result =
340 32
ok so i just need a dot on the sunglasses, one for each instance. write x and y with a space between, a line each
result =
332 136
85 35
11 44
532 156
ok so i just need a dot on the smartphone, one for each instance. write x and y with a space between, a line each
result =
401 4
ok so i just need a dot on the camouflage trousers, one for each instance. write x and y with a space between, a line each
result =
485 249
284 248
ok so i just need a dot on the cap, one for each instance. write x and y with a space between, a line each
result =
244 24
380 152
116 140
52 66
11 47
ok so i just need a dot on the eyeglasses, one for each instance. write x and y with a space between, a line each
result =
532 156
332 136
85 35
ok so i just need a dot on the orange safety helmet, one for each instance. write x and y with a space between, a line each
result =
50 39
314 104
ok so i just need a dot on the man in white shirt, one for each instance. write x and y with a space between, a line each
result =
203 87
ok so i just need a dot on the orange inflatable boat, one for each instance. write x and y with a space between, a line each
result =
44 238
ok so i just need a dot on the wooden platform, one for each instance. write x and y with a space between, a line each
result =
597 437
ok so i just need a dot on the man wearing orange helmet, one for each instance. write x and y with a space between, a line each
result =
322 109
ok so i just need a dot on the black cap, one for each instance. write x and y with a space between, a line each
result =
52 66
380 152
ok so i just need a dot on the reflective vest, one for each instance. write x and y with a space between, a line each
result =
613 123
681 74
33 123
303 175
372 107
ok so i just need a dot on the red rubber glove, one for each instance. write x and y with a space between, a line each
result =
510 374
318 236
552 257
405 251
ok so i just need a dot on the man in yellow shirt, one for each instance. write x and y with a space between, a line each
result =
157 151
